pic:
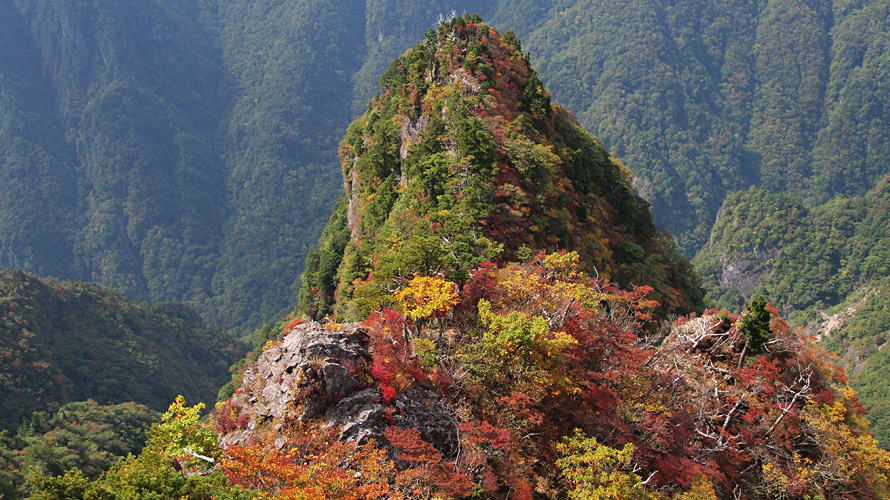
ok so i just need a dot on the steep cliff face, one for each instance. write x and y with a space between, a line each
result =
465 159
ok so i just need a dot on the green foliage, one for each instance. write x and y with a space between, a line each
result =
703 99
755 325
140 148
518 335
425 350
63 341
861 341
599 472
83 437
152 475
802 255
182 150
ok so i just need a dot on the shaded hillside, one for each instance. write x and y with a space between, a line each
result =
63 341
129 106
36 164
464 159
707 98
182 150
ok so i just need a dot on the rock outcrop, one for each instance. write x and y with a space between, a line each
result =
318 375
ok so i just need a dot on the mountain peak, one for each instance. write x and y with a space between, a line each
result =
464 159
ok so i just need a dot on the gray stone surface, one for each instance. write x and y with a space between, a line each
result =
319 375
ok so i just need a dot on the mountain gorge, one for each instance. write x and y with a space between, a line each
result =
188 151
826 265
492 363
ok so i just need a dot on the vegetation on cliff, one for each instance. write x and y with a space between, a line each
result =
464 159
812 261
183 150
552 386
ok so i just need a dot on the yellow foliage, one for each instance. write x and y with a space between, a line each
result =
700 488
637 395
846 455
551 294
425 296
599 472
332 326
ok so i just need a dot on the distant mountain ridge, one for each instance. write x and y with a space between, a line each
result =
67 341
187 150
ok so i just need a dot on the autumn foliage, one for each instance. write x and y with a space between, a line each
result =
558 382
561 386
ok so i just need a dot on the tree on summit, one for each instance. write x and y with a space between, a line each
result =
755 325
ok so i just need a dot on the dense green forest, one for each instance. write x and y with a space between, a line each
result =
82 435
186 150
182 150
69 341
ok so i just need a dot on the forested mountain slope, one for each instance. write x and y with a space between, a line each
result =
125 179
69 341
706 98
180 150
85 435
187 149
464 159
523 380
814 262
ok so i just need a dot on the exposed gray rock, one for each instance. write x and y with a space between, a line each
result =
746 272
318 375
302 377
410 132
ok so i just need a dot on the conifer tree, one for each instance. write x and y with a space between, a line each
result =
755 325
